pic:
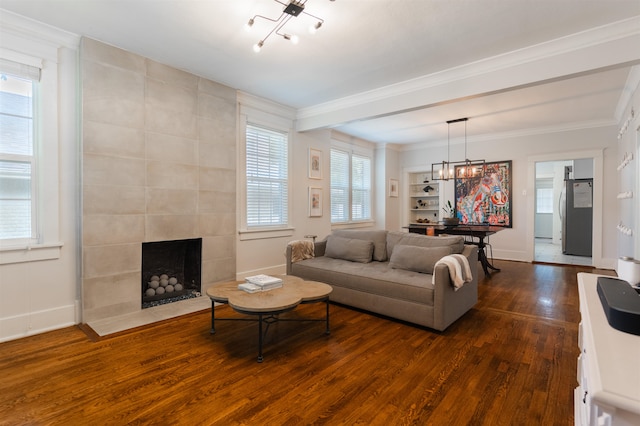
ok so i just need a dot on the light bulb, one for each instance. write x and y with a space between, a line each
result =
248 25
292 38
258 46
314 28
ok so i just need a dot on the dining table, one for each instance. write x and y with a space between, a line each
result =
476 234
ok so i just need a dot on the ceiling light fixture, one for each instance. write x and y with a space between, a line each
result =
292 9
445 170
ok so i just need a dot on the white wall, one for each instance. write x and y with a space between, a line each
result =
509 243
41 295
627 176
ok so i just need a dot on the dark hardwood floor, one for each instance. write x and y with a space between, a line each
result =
509 361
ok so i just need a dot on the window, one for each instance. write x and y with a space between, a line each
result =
267 177
544 195
350 187
17 157
544 200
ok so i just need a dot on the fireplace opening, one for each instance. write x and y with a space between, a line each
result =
171 271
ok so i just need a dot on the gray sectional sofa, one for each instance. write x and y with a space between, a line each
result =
390 273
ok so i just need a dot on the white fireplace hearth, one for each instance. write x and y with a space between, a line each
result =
117 324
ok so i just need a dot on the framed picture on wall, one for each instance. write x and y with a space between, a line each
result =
315 163
315 202
485 199
393 187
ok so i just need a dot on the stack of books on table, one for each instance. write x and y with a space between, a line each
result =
260 283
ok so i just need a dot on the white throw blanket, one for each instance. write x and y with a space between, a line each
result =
459 270
301 249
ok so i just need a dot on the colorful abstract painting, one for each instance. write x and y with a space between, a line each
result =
485 199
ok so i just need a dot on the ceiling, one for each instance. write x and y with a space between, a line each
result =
390 71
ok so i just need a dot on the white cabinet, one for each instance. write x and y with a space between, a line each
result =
608 392
424 198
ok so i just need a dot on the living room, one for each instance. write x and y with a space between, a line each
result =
46 307
49 286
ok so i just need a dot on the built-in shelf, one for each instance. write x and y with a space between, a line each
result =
424 198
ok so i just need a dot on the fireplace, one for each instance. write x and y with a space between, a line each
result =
171 271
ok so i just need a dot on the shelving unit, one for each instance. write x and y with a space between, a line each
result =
424 206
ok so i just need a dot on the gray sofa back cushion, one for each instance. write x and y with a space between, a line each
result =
416 258
351 249
455 242
378 237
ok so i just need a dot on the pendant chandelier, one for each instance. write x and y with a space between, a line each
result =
466 169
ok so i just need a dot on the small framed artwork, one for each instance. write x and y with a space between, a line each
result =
315 202
393 187
315 163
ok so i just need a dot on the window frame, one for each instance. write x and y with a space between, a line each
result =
262 113
32 159
352 151
280 180
54 54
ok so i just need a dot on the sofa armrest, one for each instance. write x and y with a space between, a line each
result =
318 249
448 303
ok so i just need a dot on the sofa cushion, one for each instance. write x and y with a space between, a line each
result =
394 238
371 278
378 237
416 258
352 249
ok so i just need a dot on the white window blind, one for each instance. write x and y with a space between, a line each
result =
17 160
360 188
350 187
267 177
339 186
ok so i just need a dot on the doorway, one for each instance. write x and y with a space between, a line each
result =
555 225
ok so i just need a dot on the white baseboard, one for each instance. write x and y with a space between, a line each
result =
19 326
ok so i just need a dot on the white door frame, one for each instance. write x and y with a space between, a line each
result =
598 168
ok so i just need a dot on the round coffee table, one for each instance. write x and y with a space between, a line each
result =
267 305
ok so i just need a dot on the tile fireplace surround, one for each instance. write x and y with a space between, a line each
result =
158 154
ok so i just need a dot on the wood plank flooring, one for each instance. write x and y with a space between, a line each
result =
509 361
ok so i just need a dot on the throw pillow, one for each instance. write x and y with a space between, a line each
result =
351 249
378 237
416 258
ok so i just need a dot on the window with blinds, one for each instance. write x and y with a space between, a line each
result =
339 186
350 187
17 160
267 177
360 188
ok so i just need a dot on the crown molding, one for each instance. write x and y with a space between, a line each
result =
577 53
41 39
488 137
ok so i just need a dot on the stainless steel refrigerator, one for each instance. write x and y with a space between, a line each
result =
576 213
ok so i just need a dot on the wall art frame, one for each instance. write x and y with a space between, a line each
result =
315 201
315 163
393 188
485 199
